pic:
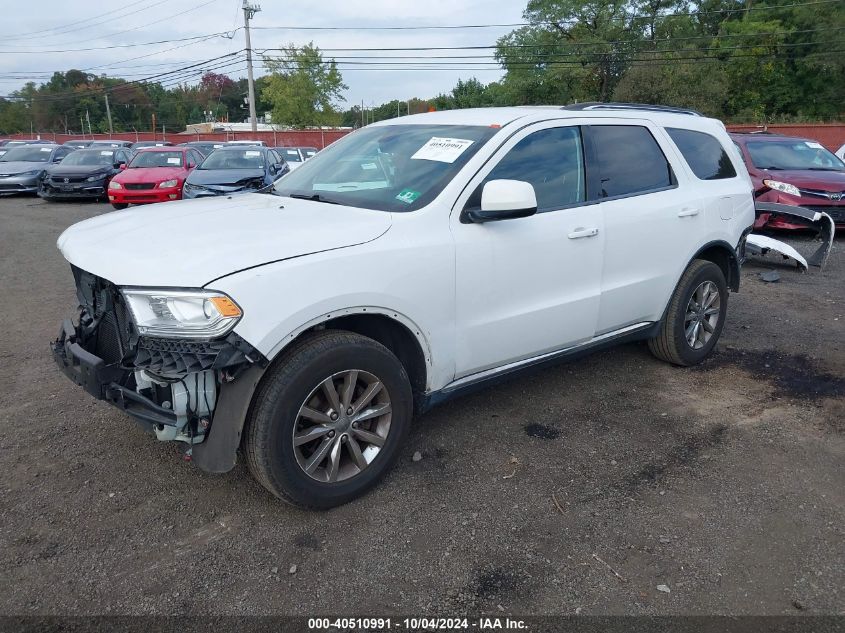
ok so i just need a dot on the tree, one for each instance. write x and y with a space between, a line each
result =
303 88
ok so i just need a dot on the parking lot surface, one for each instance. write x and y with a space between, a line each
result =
580 488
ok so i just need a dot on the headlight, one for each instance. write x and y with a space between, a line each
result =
32 172
182 313
95 178
785 187
115 185
168 183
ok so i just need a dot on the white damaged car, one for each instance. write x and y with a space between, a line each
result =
410 261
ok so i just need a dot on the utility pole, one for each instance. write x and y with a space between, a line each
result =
108 114
249 11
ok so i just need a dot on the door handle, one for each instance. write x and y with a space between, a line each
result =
687 212
582 232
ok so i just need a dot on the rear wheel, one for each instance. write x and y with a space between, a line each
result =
695 317
329 420
119 205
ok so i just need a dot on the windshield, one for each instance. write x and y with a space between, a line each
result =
156 159
29 154
234 159
89 157
793 155
390 168
290 155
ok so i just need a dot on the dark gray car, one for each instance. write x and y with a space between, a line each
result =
21 168
84 174
234 169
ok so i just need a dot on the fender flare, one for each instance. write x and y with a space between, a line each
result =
734 263
218 453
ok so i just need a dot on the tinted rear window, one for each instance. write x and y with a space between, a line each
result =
629 160
703 153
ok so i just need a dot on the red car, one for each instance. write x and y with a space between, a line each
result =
155 174
794 171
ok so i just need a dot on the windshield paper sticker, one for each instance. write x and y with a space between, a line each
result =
369 166
106 153
408 196
813 145
174 161
444 150
46 149
252 153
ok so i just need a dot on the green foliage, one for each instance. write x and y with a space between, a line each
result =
302 88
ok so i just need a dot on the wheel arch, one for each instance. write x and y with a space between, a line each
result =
724 256
388 327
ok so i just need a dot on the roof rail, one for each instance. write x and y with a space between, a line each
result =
595 105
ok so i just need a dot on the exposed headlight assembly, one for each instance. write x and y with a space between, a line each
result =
196 314
32 172
95 177
784 187
115 185
168 183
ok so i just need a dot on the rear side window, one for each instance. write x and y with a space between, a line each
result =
703 153
629 161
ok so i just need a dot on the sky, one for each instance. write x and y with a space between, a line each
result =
31 38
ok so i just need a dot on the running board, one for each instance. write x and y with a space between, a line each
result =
482 378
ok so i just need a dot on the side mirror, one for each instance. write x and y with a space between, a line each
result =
505 200
278 168
122 166
119 165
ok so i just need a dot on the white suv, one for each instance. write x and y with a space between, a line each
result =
409 261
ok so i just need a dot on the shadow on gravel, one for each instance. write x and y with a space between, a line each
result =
794 375
679 456
676 458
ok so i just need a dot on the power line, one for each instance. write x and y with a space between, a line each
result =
570 44
143 26
60 96
226 34
546 23
62 31
410 67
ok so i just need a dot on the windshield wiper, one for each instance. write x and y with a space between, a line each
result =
316 197
822 169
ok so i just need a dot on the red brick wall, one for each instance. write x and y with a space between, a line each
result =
295 138
831 135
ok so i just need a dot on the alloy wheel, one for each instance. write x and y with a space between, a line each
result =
342 426
702 314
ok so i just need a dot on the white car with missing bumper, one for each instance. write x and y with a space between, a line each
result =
410 261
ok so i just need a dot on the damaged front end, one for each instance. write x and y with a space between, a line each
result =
173 386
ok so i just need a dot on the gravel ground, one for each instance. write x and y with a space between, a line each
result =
580 488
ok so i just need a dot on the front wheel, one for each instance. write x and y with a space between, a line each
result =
329 420
119 206
695 317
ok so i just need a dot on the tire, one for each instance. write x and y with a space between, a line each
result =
296 381
119 206
672 343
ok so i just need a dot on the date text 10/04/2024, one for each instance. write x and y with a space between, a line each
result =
414 624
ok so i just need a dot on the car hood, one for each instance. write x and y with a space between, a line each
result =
78 170
193 242
226 178
805 178
18 167
149 174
